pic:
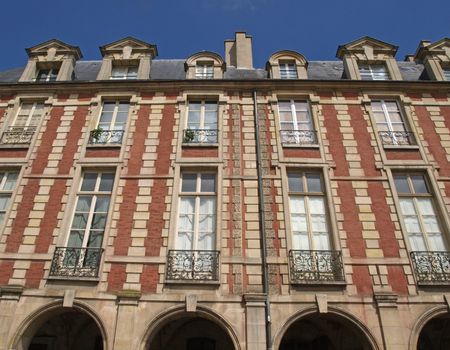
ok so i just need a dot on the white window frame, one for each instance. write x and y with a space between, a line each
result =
95 194
298 138
306 196
288 70
204 70
415 197
51 76
198 194
397 140
127 75
31 114
202 133
112 124
8 193
376 71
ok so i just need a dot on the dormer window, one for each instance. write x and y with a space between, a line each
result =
373 72
44 75
288 70
204 70
124 72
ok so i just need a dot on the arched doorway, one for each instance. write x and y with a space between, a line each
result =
324 332
187 332
62 328
435 335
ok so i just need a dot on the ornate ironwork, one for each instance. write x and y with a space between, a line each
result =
200 136
397 138
316 266
102 137
193 265
431 267
18 135
298 137
71 262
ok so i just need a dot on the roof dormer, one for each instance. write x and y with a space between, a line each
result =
435 57
204 65
52 60
128 58
287 64
369 59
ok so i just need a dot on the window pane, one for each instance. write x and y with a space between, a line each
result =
208 183
407 206
401 184
109 106
79 221
297 204
313 182
300 240
295 182
316 205
89 181
4 200
99 221
106 182
189 183
102 204
75 238
84 203
419 184
321 241
10 183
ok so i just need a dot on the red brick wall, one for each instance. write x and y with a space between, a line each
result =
117 277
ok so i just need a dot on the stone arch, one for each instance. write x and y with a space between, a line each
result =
162 319
422 321
336 312
31 324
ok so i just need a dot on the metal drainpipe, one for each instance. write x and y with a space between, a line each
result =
262 224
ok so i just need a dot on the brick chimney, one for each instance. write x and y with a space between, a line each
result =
238 52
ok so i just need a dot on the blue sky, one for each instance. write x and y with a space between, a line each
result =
181 28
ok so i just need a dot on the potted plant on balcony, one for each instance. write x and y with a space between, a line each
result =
96 134
189 135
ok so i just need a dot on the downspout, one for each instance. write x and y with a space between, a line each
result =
262 220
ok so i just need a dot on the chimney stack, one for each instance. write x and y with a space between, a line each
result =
238 52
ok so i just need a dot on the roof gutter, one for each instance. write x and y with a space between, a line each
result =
262 220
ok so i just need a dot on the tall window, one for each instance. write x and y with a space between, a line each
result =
288 70
418 213
390 124
204 70
47 74
201 122
373 72
296 123
24 125
91 211
197 212
8 180
307 205
124 72
112 122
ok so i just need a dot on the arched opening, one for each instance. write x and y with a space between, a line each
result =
324 332
190 333
62 328
435 335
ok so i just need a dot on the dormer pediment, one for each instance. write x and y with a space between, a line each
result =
437 49
204 65
288 55
54 48
127 47
368 47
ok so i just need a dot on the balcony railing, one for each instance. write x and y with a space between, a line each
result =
316 266
298 137
18 135
76 262
431 267
200 136
193 265
106 137
397 138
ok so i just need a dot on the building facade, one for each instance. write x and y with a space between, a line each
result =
206 204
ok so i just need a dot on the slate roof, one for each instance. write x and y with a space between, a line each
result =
165 69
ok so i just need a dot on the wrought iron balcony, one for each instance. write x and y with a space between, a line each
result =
316 266
76 262
105 137
298 137
397 138
193 265
200 136
18 135
431 267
